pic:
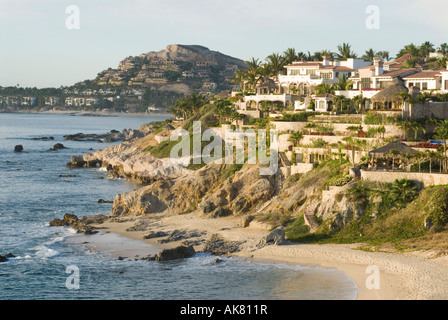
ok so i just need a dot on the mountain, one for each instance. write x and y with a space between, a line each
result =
179 68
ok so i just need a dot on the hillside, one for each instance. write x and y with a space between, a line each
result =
152 81
179 68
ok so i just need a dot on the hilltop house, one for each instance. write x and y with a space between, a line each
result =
51 101
369 80
425 80
302 76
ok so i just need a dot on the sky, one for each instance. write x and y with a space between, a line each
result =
45 44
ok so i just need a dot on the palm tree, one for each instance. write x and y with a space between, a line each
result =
417 127
406 126
403 191
443 49
339 100
345 52
369 55
404 96
381 130
384 55
441 63
290 55
253 64
411 49
352 143
442 133
420 157
277 63
342 83
324 88
239 78
394 153
425 49
359 102
296 137
431 155
319 55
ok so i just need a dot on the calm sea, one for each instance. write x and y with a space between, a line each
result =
33 191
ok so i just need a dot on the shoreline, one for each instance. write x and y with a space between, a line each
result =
91 113
401 276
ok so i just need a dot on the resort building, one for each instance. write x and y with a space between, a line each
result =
425 80
302 77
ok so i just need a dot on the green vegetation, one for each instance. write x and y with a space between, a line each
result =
394 214
297 229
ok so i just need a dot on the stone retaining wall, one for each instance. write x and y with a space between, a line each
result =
426 179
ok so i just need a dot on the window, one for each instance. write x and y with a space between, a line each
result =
424 85
411 84
365 83
322 105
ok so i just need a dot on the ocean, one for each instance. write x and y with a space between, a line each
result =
36 187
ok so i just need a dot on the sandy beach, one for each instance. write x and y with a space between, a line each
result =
407 276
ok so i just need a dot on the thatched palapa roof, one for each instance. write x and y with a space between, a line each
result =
382 152
391 93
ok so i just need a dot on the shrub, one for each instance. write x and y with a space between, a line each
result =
297 228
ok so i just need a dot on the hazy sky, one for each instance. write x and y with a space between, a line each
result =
37 49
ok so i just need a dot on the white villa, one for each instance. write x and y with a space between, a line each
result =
302 76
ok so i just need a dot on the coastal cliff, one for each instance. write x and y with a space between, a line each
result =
219 190
326 204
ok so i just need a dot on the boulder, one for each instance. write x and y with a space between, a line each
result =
77 162
276 237
18 148
155 234
71 220
57 146
180 252
246 221
6 256
105 201
216 245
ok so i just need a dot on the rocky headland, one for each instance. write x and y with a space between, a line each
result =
233 210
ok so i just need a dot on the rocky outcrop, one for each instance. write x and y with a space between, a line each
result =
218 246
238 194
129 161
276 237
18 148
112 136
6 257
80 225
177 195
57 146
180 252
203 189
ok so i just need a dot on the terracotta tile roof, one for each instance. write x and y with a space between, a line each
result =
369 67
424 75
397 73
304 64
337 68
